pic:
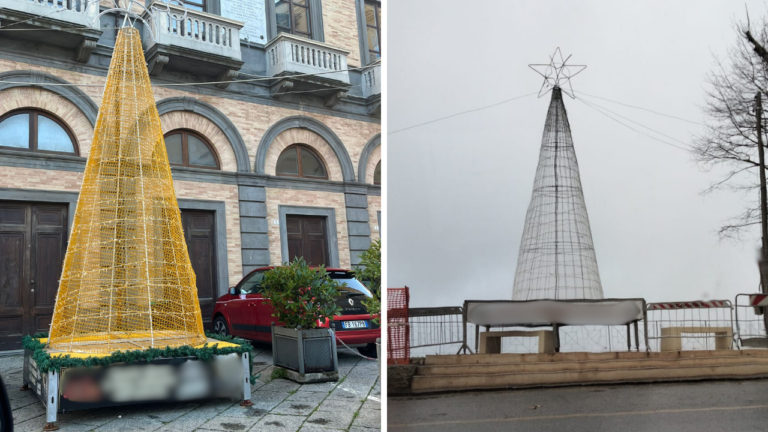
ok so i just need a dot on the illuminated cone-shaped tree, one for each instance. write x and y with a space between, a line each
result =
557 258
127 281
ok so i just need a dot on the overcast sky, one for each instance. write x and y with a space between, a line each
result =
458 190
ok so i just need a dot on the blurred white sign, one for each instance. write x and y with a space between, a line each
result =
252 13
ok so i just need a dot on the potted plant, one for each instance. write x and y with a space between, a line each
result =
301 298
369 273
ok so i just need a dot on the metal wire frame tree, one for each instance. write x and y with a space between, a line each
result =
127 281
557 256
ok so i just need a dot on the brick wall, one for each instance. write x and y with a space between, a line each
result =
374 206
251 120
340 27
373 160
27 178
228 194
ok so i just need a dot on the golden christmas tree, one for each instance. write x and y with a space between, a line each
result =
127 281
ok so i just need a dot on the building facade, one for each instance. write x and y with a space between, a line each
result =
271 116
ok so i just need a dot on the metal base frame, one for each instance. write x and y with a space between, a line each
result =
556 329
46 386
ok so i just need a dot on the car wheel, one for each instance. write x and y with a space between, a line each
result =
368 350
220 326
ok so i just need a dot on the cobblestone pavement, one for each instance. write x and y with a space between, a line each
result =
353 404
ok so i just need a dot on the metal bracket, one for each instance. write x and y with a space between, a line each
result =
246 381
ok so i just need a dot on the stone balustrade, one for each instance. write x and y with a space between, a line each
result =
78 12
73 23
288 54
199 31
372 79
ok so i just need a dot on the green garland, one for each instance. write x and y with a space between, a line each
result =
46 363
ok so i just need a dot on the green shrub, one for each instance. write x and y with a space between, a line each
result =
369 272
300 295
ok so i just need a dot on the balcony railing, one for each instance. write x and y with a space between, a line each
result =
288 54
372 79
77 12
200 31
69 22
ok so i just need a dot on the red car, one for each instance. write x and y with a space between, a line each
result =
244 312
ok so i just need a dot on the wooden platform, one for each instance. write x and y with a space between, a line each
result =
499 371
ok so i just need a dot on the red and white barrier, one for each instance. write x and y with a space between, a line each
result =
692 305
758 299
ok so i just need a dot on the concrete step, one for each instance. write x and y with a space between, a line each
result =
754 342
434 360
424 384
566 366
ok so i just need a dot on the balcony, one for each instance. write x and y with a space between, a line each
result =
372 87
67 20
204 43
289 55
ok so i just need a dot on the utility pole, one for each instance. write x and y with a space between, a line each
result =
763 262
763 199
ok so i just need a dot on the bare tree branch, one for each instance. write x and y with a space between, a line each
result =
757 46
729 140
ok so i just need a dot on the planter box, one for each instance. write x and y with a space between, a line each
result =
305 355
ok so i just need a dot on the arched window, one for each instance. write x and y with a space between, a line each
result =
36 130
300 161
377 174
186 148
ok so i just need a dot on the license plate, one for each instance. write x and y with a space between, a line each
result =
354 324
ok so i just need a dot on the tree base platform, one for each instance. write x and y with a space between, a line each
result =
65 381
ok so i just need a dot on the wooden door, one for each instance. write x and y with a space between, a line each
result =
200 235
33 241
307 237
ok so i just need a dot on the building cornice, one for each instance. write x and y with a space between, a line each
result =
57 162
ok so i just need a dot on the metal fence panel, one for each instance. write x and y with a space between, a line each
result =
750 327
694 325
435 330
438 330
